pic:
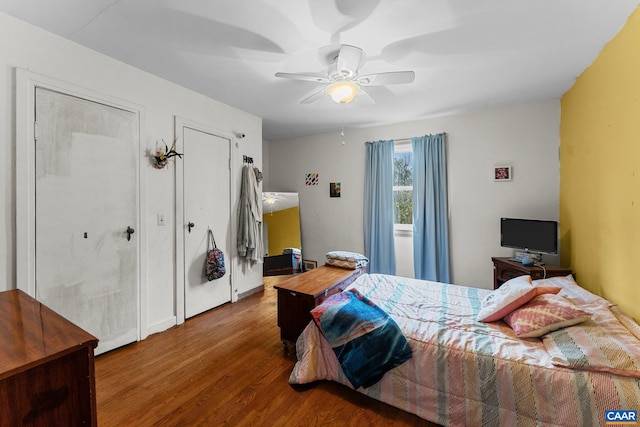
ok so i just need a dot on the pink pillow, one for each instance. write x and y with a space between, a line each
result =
544 313
511 295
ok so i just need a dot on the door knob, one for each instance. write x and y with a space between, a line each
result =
190 226
130 231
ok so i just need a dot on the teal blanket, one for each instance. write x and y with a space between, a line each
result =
365 339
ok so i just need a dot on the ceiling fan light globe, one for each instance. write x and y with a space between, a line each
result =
342 92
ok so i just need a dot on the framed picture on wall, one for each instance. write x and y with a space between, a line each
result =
334 189
502 173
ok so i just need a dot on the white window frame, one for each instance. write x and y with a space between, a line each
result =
402 146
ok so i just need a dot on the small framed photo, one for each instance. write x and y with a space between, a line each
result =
308 264
334 189
502 173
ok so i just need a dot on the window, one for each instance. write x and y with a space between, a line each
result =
403 186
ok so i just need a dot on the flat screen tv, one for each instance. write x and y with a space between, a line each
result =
529 234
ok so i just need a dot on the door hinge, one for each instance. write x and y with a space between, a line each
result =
35 131
229 163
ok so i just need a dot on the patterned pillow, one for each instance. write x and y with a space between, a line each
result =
511 295
544 313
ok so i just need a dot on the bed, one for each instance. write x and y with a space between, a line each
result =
467 372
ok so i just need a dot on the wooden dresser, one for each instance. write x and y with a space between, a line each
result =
504 270
298 295
46 366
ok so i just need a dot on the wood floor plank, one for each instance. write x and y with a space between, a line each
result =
225 367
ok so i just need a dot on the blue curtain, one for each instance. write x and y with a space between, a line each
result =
430 216
378 208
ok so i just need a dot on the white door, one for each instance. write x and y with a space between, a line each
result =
86 198
206 206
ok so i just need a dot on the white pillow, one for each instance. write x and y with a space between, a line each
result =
511 295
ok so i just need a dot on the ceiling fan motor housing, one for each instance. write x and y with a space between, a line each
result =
342 83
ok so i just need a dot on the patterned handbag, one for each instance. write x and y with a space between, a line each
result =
214 264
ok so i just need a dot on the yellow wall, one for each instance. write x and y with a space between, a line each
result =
600 172
284 229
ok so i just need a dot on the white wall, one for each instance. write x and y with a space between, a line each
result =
27 47
524 136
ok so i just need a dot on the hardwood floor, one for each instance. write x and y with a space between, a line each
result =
225 367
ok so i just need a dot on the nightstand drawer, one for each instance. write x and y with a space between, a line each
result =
504 270
505 273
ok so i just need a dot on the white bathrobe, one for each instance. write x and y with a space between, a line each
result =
249 218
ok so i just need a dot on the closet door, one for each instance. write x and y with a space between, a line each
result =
86 210
207 205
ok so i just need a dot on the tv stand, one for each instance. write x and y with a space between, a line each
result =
535 263
505 269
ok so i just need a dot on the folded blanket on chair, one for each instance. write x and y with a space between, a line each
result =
366 341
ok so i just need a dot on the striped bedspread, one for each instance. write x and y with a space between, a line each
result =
469 373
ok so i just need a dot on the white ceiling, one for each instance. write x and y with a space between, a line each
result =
273 202
466 54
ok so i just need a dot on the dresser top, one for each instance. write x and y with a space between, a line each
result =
314 282
32 334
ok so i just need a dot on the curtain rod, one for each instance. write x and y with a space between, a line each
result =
407 140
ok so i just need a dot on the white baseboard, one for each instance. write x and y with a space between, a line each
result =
161 326
259 288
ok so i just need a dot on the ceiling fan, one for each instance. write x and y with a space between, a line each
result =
342 82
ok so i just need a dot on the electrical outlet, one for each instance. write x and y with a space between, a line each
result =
160 220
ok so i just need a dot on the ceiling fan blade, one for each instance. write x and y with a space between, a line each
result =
359 10
389 78
362 94
312 96
348 60
338 16
303 77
